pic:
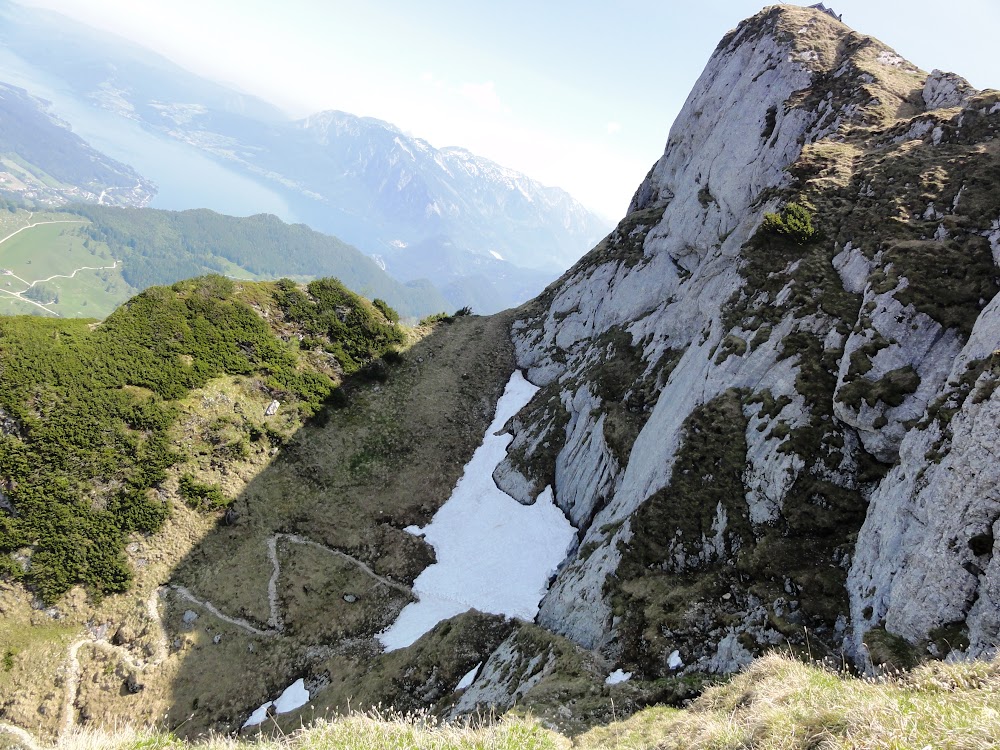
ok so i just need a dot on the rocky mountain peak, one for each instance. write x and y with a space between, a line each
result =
783 78
728 407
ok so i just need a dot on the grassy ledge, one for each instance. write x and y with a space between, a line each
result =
778 703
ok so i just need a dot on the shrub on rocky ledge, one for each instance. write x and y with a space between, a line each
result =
794 222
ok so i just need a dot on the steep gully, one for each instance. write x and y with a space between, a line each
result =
430 603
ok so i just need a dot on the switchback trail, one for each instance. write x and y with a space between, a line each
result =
275 625
30 284
20 295
71 275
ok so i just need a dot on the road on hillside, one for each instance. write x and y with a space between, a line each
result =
39 223
18 295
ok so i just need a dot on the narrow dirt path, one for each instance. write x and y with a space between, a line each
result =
15 276
70 276
237 621
400 587
40 223
275 625
139 665
25 736
30 284
473 351
17 295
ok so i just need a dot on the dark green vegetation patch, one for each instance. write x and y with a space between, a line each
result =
158 247
794 222
86 410
199 495
917 208
785 255
627 388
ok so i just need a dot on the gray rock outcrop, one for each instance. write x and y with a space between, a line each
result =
761 433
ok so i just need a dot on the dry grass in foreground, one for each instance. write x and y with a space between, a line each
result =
776 704
369 731
781 704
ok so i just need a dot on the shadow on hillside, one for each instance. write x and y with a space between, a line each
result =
331 509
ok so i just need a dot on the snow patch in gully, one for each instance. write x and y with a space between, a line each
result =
493 554
294 696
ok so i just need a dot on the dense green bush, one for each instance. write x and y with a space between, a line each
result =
383 307
199 495
441 317
357 331
794 222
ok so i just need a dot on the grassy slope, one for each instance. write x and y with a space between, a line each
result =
403 441
781 703
777 703
48 250
90 408
350 481
76 452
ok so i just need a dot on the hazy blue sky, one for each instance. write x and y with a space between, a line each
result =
576 94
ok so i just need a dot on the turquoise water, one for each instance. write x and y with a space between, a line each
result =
185 177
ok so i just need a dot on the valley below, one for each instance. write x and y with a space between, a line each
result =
320 557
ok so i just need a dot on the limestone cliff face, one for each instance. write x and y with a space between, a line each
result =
758 434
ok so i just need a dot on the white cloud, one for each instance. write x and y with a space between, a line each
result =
428 79
484 96
614 127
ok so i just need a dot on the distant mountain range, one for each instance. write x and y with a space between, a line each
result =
486 235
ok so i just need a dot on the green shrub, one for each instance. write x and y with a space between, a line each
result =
201 496
383 307
42 293
794 222
94 408
440 317
356 330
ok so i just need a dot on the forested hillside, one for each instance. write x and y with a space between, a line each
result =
86 411
159 247
45 162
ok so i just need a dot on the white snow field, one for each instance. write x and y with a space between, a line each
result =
617 677
294 696
469 678
493 554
